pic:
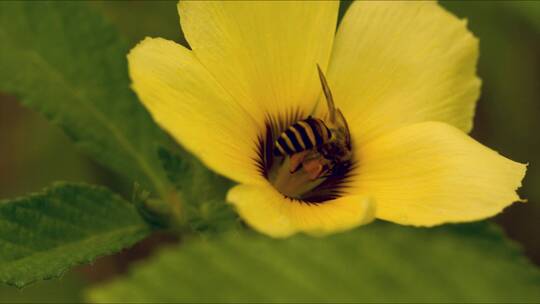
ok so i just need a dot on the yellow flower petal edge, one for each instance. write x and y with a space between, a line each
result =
432 173
269 212
396 63
263 52
186 101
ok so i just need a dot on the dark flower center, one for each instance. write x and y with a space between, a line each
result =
300 185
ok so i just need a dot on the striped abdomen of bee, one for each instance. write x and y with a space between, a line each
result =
303 135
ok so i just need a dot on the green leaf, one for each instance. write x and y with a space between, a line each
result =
44 234
63 60
202 192
67 289
377 263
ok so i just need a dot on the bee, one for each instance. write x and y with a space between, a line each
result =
322 148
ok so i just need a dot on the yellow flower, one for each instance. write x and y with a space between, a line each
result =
403 75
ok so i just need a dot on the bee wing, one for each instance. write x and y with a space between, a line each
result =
328 96
343 122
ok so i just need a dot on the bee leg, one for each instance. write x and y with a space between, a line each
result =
296 161
327 174
313 168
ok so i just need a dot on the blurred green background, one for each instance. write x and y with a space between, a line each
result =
35 153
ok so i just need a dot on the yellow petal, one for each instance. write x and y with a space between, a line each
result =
432 173
397 63
187 102
263 53
269 212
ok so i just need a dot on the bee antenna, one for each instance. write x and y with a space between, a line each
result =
328 96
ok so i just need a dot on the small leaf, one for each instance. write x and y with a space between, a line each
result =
376 263
195 180
63 60
44 234
202 191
